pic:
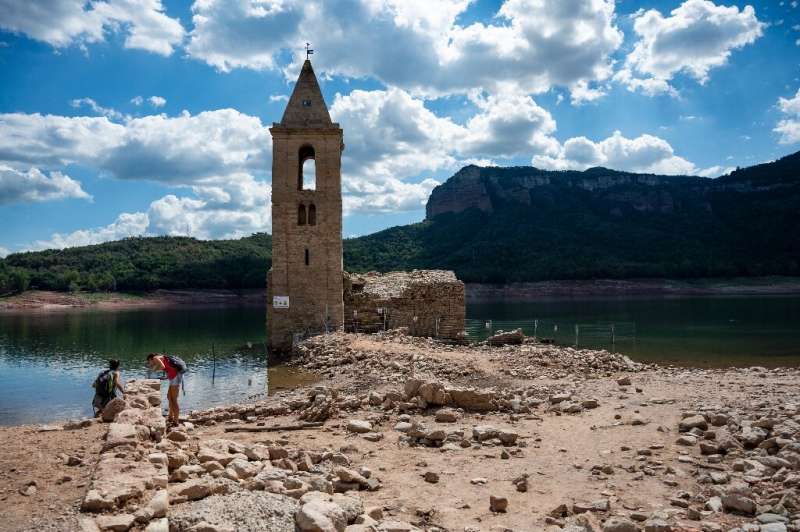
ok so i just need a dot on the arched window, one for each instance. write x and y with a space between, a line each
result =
312 214
301 215
307 170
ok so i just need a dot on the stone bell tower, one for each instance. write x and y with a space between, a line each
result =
304 285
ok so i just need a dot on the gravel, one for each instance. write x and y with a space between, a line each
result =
244 511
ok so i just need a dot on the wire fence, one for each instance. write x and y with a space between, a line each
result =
598 335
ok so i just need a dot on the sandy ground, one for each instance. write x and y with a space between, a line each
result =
624 451
28 455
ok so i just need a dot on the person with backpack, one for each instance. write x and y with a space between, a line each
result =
174 368
105 386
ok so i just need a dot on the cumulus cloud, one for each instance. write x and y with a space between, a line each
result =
646 153
183 149
157 101
531 44
62 23
126 225
94 106
28 186
697 37
4 252
789 127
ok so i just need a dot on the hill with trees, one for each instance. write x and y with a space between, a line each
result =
495 225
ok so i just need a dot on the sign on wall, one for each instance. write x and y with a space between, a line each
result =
280 301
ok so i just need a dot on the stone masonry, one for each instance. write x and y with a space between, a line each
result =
304 285
427 302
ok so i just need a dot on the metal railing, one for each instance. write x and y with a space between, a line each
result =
601 334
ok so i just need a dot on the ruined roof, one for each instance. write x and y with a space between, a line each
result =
306 107
397 284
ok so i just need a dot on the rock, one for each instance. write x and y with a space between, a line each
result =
359 426
349 476
601 505
115 523
514 337
194 489
447 415
350 505
112 410
433 393
158 525
691 422
472 400
242 468
120 434
483 432
431 477
656 524
320 516
738 503
507 437
687 440
177 435
403 426
87 524
619 524
521 483
773 527
94 502
623 381
159 504
498 504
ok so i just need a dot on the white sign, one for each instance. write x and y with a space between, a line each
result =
280 301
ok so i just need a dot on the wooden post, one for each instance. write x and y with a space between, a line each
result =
613 339
577 328
535 327
214 367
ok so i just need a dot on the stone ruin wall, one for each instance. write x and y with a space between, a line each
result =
375 301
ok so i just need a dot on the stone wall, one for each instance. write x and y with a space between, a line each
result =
427 302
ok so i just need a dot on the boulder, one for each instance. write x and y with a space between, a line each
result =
112 409
514 337
691 422
320 516
359 426
115 523
619 524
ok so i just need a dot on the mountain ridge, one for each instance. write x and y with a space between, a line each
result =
496 225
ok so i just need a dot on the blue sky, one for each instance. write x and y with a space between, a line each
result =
142 117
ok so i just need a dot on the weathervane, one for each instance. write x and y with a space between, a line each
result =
309 51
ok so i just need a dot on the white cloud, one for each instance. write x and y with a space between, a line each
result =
4 252
62 23
789 127
279 97
697 37
126 225
94 106
716 171
184 149
646 154
137 100
157 101
531 44
19 186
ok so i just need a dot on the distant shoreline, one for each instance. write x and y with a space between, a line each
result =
737 286
46 301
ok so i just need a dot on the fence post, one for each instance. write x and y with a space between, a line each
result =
613 339
577 328
214 367
437 327
535 327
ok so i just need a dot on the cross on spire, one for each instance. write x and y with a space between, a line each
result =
309 51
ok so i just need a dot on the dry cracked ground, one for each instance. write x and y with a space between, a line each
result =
404 434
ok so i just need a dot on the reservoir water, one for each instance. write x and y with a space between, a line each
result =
49 360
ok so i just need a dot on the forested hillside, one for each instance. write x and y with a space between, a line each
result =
496 225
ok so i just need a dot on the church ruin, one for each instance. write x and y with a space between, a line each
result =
306 284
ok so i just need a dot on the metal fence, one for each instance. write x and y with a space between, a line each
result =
598 335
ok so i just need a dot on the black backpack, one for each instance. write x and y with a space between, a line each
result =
104 384
177 363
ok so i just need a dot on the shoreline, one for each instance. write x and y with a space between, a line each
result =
46 301
410 431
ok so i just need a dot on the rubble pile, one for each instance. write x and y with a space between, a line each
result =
426 302
128 486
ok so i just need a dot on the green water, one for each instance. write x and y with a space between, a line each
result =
48 361
690 331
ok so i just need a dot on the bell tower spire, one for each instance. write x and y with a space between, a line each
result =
304 285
